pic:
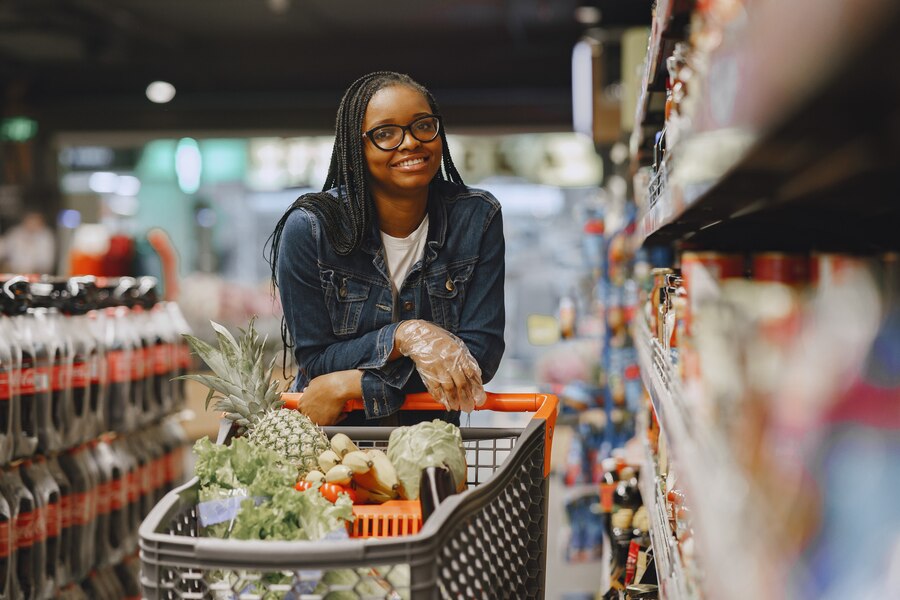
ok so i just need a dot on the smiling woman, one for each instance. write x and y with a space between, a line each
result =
391 278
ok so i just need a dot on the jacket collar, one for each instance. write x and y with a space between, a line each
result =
437 224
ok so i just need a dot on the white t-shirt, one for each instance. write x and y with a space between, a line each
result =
402 253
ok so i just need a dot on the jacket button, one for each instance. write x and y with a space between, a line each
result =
408 305
343 292
449 285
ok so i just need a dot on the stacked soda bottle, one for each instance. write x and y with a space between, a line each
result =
88 441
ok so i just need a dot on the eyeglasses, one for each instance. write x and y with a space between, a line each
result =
389 137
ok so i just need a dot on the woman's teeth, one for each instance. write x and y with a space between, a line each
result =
411 162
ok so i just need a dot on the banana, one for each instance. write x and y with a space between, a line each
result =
382 477
315 477
342 444
328 459
358 461
339 474
367 496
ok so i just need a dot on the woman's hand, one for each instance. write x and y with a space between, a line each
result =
324 398
446 366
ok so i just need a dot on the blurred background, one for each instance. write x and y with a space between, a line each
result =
628 141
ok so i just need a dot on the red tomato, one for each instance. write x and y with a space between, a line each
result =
330 491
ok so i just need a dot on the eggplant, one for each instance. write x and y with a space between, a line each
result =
436 484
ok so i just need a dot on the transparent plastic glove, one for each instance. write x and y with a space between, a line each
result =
446 366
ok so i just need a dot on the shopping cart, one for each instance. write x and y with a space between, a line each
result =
487 542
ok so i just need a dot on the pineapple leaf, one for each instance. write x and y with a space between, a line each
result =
273 397
209 397
211 356
228 346
215 383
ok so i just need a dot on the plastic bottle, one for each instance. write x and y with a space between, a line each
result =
131 507
52 370
181 351
142 482
174 441
67 549
16 298
121 395
161 338
129 576
114 471
6 546
97 421
97 587
7 373
22 515
80 509
45 550
130 324
156 468
79 301
102 472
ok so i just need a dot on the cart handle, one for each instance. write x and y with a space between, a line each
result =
545 407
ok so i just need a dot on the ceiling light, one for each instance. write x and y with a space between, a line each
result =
128 185
588 15
103 182
160 92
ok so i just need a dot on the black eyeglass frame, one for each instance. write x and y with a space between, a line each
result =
405 129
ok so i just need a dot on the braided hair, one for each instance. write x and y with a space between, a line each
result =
347 216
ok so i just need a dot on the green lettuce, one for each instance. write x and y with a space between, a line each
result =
247 483
427 444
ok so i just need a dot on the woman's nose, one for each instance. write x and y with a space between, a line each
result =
409 141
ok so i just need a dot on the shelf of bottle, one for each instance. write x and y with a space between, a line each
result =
669 570
666 28
727 511
778 124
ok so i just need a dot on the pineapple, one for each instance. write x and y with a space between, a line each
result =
246 393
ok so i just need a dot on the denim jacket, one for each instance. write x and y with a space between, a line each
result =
340 312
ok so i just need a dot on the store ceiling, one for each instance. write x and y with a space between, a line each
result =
281 65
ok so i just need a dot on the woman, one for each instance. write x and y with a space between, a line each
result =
393 275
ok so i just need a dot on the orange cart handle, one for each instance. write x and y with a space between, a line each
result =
424 401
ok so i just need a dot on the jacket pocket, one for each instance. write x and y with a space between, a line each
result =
345 299
447 293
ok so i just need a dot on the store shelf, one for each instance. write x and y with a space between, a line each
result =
729 530
667 28
672 577
793 136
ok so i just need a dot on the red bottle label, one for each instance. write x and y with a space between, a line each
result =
139 364
119 365
81 512
184 356
81 374
159 472
145 480
23 532
66 508
134 486
5 539
53 519
162 362
103 498
117 494
5 385
34 380
98 370
40 524
60 377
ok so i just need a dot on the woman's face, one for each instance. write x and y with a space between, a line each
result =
411 166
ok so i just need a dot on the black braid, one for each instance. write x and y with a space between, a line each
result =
347 217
